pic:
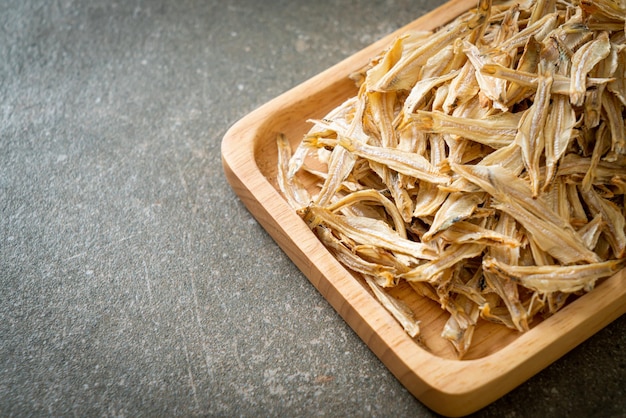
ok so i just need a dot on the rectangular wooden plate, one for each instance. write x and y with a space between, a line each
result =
499 360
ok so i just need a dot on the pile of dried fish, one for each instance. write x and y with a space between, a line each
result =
483 163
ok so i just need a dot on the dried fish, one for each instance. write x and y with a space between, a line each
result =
294 191
555 278
495 131
530 133
558 132
584 59
398 309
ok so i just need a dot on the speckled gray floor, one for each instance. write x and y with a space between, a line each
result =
132 280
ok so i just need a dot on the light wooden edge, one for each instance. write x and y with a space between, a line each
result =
449 387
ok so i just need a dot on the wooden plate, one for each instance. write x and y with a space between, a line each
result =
499 360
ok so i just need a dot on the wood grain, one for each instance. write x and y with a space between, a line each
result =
499 360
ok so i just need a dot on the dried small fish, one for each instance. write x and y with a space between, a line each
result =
558 132
612 215
448 258
293 190
495 131
457 207
398 309
556 278
530 133
460 326
584 59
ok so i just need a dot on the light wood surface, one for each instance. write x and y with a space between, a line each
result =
499 360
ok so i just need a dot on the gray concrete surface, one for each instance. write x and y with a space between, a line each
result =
133 282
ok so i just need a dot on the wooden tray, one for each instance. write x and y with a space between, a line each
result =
499 360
